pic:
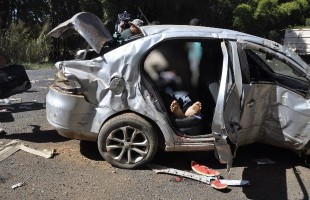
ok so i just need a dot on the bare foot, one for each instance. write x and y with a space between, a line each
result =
193 109
176 110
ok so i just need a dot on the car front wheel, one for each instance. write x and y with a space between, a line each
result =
127 141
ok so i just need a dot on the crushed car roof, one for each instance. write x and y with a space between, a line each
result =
182 31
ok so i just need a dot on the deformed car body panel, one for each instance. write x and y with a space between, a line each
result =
280 118
208 32
273 113
226 120
97 75
113 83
88 25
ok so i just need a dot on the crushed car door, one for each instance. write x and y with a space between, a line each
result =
284 119
225 124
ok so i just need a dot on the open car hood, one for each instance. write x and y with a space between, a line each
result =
88 25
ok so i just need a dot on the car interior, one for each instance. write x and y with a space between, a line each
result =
176 74
171 70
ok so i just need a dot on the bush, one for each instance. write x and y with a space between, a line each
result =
19 44
38 49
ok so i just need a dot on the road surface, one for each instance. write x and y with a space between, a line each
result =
79 172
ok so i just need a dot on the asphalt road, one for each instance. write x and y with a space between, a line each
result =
79 172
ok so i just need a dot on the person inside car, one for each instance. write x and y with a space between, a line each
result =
186 115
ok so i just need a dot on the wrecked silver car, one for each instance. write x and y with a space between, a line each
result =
250 90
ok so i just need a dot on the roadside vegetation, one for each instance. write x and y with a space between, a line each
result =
25 23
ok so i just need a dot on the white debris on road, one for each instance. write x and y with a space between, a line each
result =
14 146
17 185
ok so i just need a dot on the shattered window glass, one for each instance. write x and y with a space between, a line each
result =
278 66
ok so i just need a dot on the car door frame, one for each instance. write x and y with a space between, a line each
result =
226 119
286 99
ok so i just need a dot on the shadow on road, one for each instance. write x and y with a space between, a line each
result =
16 108
267 181
36 136
90 150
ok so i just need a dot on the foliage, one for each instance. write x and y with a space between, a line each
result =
243 17
17 45
14 41
23 23
38 49
307 22
269 18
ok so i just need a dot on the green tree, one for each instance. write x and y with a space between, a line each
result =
18 46
243 18
61 10
269 18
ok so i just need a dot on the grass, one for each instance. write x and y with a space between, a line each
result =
34 66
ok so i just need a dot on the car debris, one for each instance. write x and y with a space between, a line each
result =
13 80
9 100
2 131
8 150
218 184
5 101
13 99
14 146
44 153
17 185
34 81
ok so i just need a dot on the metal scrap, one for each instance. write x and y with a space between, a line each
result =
201 178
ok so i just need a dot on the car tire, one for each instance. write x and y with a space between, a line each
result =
127 141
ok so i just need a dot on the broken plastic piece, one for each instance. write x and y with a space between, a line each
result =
14 146
45 154
8 150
